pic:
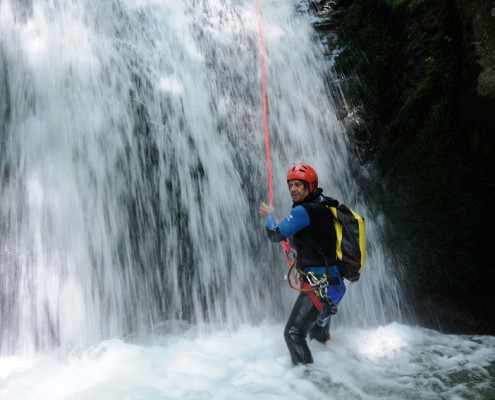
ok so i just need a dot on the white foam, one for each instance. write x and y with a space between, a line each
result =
391 362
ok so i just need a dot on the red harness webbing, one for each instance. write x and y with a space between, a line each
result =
312 295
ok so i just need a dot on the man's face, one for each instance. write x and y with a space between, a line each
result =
298 190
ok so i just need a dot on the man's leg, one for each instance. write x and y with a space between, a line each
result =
301 320
320 333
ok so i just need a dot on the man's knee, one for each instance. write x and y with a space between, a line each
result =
295 335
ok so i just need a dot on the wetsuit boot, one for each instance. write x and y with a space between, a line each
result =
320 333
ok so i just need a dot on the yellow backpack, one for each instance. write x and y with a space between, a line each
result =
351 241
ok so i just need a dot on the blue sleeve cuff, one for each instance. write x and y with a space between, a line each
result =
270 222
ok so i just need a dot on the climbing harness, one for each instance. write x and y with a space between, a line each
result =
314 286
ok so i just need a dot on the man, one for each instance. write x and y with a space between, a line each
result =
310 230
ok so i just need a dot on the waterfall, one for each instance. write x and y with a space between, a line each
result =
132 167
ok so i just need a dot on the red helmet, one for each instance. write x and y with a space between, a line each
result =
304 172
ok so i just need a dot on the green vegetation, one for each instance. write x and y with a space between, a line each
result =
431 135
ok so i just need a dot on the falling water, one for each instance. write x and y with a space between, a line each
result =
132 167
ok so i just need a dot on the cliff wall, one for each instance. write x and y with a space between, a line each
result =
420 81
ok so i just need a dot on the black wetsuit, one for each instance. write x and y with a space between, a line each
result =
312 234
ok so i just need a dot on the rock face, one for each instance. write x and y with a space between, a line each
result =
420 74
478 19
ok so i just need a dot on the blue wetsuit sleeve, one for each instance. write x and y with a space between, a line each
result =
297 219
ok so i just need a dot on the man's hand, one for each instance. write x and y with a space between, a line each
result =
266 209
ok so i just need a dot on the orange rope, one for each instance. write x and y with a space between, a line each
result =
304 287
265 105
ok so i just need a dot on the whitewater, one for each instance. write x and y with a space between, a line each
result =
133 261
390 362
